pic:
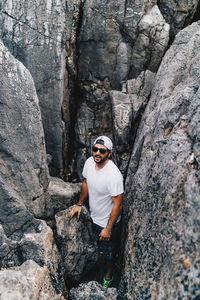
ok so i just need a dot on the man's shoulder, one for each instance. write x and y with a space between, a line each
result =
113 169
89 161
87 166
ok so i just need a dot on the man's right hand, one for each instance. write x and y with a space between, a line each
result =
75 210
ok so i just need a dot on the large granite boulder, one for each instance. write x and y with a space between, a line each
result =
78 248
27 282
162 187
127 108
24 176
178 13
63 194
38 33
92 291
131 36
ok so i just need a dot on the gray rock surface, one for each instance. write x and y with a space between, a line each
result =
63 194
92 291
67 52
127 108
162 186
37 34
78 248
24 174
93 65
128 32
27 282
178 13
132 38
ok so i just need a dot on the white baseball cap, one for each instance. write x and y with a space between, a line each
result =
104 140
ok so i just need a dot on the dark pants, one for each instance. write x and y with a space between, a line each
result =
109 248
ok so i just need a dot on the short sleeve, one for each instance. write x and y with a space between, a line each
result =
86 166
116 186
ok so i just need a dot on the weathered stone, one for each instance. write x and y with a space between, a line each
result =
162 186
110 44
24 172
36 33
78 51
67 43
93 118
93 291
27 282
63 194
78 248
38 246
133 37
151 42
178 13
127 107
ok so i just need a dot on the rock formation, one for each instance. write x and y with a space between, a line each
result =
78 248
133 37
93 290
29 281
24 177
162 186
127 69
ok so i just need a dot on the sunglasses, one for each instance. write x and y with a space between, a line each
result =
102 151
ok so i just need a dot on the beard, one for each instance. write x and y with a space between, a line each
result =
102 159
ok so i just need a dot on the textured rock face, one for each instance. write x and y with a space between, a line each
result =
29 281
94 65
92 291
24 174
63 194
162 186
78 248
102 44
133 37
178 13
127 107
36 32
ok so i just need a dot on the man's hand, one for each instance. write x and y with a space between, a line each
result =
75 210
105 234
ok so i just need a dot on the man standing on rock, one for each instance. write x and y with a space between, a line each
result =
103 183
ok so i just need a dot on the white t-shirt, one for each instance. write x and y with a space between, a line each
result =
102 185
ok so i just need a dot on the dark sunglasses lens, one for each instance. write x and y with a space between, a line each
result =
102 151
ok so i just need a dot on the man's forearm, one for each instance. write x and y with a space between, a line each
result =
83 196
107 231
115 212
84 193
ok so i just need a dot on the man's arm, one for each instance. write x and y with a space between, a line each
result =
83 196
118 203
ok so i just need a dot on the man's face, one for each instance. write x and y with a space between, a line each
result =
98 156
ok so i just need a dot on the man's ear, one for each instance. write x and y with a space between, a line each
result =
110 153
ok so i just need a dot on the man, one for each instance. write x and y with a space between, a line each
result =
103 183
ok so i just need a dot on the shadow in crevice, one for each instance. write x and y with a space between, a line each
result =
98 271
97 274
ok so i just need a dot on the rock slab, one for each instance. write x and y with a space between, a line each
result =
92 291
162 187
78 248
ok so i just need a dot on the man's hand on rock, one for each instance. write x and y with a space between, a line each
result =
105 234
75 210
